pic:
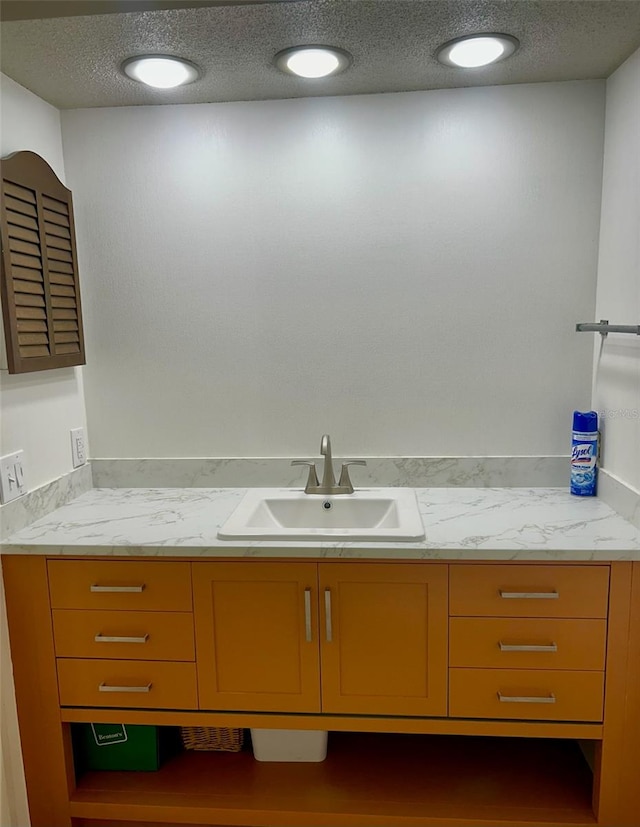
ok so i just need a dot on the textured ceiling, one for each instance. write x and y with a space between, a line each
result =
35 9
74 61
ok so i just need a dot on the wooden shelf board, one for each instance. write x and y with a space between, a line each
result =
335 723
367 780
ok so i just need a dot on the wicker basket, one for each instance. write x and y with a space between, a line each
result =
212 739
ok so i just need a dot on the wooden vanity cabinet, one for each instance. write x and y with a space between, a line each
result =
363 647
528 642
123 633
383 638
377 645
133 585
257 636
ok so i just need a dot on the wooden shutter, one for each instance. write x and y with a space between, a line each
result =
40 289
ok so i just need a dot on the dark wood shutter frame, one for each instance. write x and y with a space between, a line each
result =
40 288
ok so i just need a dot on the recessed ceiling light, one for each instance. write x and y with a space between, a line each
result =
160 71
477 50
312 61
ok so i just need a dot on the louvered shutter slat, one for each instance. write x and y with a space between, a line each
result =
59 243
34 287
54 205
18 220
21 207
54 229
16 245
61 278
30 352
32 327
24 234
63 301
59 313
66 337
27 300
60 267
22 193
59 255
27 273
24 312
33 338
61 290
63 325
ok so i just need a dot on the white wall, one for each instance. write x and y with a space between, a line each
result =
38 409
617 379
404 271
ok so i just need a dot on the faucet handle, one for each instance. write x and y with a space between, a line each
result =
312 481
345 482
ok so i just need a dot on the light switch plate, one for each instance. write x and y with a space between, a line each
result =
12 483
78 447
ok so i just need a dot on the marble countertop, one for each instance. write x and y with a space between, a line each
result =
460 523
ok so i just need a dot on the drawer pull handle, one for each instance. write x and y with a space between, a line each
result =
529 595
105 687
327 615
97 588
528 647
118 639
526 699
307 615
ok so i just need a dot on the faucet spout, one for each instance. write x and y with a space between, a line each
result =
328 486
328 478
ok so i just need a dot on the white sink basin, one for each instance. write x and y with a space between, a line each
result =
290 514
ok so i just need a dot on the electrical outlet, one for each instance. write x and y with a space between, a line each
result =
78 447
12 483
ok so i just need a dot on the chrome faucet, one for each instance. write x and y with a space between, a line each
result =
328 485
328 479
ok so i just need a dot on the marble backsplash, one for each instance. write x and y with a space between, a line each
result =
415 472
238 472
17 514
623 499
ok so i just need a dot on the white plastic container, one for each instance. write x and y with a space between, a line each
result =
289 744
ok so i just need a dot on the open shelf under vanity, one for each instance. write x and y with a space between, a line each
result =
367 779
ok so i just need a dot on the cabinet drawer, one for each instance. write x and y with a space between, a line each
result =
130 683
82 633
526 694
529 591
120 584
527 643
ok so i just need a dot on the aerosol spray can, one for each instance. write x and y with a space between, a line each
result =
584 454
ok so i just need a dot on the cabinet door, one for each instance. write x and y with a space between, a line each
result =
384 638
257 636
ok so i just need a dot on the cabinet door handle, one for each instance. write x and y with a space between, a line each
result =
327 615
95 587
527 699
307 615
118 639
528 647
528 595
105 687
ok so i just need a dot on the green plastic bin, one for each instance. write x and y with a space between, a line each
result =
123 747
